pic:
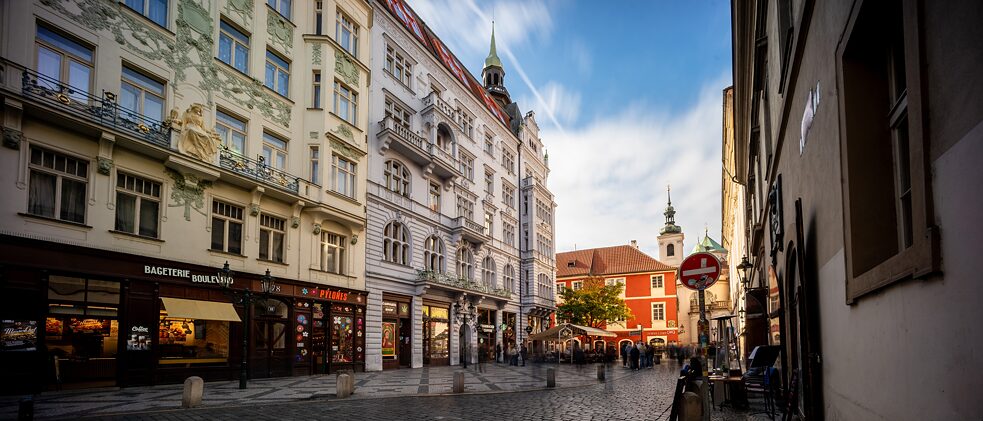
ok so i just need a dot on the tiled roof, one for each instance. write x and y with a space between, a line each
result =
606 261
709 245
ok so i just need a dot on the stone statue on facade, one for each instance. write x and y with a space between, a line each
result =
196 140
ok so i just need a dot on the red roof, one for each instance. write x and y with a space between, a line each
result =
607 261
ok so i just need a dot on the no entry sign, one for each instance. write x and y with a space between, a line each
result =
699 271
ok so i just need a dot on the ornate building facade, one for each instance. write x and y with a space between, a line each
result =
146 146
459 218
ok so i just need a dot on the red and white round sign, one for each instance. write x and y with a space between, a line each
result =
699 271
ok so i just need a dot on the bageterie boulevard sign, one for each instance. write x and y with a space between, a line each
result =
186 274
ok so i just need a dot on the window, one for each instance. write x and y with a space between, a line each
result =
343 173
658 311
508 160
281 6
508 278
508 233
614 281
434 197
274 151
57 186
577 285
467 166
508 195
488 272
397 66
155 10
657 281
345 102
332 252
346 33
226 227
316 90
315 168
141 94
137 205
396 246
399 114
884 176
560 286
232 131
489 183
397 178
233 47
465 263
670 250
467 124
318 18
465 207
277 73
489 223
489 145
271 233
544 212
433 254
65 61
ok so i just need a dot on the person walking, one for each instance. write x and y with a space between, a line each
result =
624 354
633 355
498 353
650 356
578 357
524 352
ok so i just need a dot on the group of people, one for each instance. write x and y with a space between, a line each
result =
512 356
681 352
638 355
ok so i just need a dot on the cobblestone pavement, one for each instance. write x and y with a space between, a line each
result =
501 392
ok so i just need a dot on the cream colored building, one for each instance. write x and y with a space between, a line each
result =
146 144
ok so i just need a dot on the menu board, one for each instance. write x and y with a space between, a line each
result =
97 326
18 335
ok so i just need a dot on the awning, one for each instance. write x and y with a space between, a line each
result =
555 333
201 310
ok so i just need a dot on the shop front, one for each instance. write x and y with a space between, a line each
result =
436 334
397 331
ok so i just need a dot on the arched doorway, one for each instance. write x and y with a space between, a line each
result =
269 357
659 344
464 344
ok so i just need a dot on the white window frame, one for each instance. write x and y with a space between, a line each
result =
279 66
577 285
398 113
275 151
659 311
465 207
433 254
345 102
60 176
343 171
334 242
465 263
143 191
397 177
395 244
224 126
434 197
316 90
270 227
144 90
232 33
397 66
660 278
344 23
229 214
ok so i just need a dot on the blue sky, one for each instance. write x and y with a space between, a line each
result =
628 95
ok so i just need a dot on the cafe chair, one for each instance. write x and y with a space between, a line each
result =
763 384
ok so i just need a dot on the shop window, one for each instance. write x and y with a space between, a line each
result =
81 324
190 341
342 339
271 235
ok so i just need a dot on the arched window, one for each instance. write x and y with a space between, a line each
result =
397 178
508 278
465 263
443 136
433 254
488 272
671 250
396 245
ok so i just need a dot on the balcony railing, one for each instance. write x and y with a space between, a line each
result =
103 111
461 283
257 170
711 305
388 123
434 100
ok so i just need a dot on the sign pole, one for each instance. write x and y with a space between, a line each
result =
698 272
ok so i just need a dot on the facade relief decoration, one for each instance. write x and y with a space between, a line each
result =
189 50
12 138
294 222
343 131
316 54
188 192
196 140
104 165
344 66
241 11
281 32
345 150
317 229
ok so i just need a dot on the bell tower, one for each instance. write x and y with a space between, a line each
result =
493 75
671 236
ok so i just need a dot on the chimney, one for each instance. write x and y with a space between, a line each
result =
634 243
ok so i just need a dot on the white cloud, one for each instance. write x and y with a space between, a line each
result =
559 101
463 28
609 177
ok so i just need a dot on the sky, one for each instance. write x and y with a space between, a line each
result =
628 95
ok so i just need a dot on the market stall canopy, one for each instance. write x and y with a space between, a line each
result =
201 310
557 332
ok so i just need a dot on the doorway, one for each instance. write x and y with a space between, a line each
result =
269 338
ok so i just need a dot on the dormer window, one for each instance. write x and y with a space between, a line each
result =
571 264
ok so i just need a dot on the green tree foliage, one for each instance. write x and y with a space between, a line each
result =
594 304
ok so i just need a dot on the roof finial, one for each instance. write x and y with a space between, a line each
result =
492 59
669 193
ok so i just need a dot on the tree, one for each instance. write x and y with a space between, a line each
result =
594 304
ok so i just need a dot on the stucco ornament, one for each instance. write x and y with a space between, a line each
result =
316 54
344 66
196 141
242 8
105 165
317 229
12 138
343 131
188 192
281 32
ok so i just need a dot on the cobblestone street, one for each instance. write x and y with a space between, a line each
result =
645 394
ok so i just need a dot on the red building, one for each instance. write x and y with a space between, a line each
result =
650 290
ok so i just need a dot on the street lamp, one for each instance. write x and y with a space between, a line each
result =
245 297
742 271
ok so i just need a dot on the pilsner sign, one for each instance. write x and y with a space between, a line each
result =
699 271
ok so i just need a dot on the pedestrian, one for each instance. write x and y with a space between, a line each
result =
498 353
650 355
610 355
633 354
578 357
524 352
624 354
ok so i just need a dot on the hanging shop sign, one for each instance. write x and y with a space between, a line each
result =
328 294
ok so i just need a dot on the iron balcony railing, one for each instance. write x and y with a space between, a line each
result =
104 111
257 170
461 283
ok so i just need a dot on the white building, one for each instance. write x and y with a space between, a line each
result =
456 175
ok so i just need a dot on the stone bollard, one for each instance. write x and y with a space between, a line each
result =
550 377
194 388
458 382
343 386
600 373
692 407
351 378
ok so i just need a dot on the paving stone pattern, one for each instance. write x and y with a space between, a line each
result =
500 392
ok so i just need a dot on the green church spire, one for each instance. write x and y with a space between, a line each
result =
492 59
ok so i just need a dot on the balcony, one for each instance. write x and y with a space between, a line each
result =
469 230
257 170
418 149
103 111
432 103
461 284
711 306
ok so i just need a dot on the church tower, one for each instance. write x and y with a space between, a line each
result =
493 75
671 237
